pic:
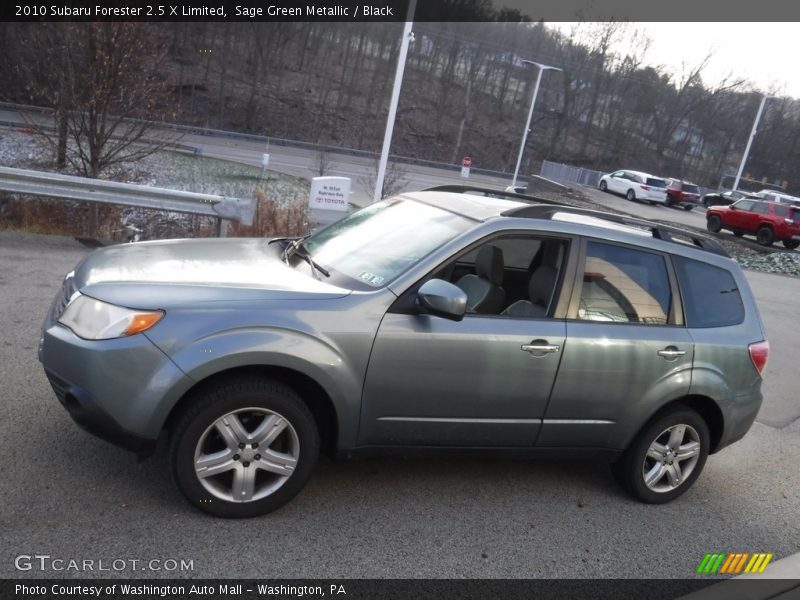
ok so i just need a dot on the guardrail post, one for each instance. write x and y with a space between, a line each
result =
222 227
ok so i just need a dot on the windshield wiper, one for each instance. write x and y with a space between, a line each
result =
296 247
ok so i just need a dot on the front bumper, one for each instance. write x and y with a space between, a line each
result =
120 390
85 411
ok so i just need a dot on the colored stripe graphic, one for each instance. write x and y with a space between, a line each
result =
734 563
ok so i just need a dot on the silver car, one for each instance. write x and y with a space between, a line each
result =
434 319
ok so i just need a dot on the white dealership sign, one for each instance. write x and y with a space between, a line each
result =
329 199
330 193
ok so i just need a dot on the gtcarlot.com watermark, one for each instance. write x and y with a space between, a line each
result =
45 562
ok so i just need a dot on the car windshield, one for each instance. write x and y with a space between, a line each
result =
371 247
659 183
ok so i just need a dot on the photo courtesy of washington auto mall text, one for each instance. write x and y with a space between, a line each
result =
174 590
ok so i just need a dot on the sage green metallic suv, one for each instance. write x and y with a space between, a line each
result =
436 319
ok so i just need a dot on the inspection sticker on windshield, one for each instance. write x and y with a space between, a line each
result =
371 279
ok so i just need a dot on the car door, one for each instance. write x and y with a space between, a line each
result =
740 215
627 352
618 182
481 381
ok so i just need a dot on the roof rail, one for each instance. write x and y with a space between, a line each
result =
488 192
659 231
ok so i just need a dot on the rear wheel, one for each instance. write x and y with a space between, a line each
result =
666 458
244 448
791 244
631 195
603 186
714 223
765 236
688 207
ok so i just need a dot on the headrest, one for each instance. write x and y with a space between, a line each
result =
489 264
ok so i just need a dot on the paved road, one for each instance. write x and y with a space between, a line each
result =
70 495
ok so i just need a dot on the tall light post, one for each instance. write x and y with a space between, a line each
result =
542 69
398 82
753 132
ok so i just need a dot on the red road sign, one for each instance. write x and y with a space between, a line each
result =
466 161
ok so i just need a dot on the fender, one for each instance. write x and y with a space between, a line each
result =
279 347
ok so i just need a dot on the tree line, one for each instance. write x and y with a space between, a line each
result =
466 91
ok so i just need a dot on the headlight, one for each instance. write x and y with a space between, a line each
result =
95 320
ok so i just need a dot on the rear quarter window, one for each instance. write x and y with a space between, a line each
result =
711 297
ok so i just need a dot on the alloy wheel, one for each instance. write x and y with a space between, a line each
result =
671 458
246 454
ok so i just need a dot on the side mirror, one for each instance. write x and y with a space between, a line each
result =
443 299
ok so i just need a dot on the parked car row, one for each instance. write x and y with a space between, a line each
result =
638 185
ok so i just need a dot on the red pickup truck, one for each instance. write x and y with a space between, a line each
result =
768 221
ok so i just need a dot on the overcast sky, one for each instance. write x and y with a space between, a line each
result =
766 54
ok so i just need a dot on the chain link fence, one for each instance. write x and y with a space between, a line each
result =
568 174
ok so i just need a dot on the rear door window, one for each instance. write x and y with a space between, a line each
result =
624 285
711 297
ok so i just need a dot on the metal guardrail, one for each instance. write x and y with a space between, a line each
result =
85 189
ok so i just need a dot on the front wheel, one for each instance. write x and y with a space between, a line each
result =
765 236
791 244
666 457
603 186
245 447
631 195
688 207
714 224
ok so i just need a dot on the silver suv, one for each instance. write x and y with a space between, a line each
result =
435 319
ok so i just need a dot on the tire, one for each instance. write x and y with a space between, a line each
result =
252 408
714 223
669 202
688 207
765 236
791 244
603 186
738 233
631 195
670 475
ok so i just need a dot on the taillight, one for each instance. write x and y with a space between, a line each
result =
759 353
644 187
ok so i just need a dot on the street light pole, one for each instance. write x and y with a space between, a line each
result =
398 82
542 69
753 132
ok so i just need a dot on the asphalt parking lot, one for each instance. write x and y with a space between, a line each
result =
71 496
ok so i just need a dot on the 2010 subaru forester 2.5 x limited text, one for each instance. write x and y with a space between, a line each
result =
435 319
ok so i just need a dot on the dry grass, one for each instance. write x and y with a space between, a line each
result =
273 219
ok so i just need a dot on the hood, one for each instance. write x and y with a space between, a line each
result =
196 270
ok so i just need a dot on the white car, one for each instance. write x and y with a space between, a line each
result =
635 185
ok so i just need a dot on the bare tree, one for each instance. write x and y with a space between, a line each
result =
101 79
393 182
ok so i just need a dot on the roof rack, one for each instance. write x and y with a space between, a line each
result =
659 231
488 192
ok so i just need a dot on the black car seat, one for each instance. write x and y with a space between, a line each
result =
484 289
